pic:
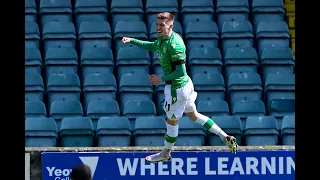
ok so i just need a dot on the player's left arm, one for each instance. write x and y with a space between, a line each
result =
178 56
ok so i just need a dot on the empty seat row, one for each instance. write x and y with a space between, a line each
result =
150 131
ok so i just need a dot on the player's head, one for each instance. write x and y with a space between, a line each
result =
81 172
164 24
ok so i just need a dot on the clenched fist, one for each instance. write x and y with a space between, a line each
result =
125 40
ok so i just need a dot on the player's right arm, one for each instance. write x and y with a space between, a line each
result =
147 45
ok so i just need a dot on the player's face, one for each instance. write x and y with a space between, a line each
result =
163 27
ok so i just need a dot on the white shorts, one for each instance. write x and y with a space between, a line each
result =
185 103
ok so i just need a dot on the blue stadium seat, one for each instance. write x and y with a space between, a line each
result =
32 35
93 34
96 60
63 87
236 34
99 87
154 7
235 10
34 87
149 131
204 60
209 86
61 61
288 131
267 10
153 30
63 109
277 60
279 108
244 109
97 109
213 108
76 132
40 132
190 133
35 109
124 10
134 87
58 34
246 86
33 60
279 86
261 131
230 125
139 108
57 10
201 34
272 34
239 60
133 29
201 10
132 60
30 11
113 131
94 10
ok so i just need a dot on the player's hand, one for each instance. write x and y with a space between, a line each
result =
154 79
125 40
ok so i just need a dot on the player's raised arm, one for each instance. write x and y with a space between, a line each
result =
147 45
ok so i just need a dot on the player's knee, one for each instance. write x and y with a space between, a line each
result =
172 122
192 115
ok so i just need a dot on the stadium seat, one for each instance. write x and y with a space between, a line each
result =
244 109
276 60
139 108
204 60
34 87
267 10
40 132
279 86
76 132
288 131
149 131
134 87
261 131
63 87
133 29
236 10
246 86
63 109
201 34
201 10
239 60
153 30
58 34
94 10
99 87
213 108
132 60
61 61
272 34
35 109
190 133
30 11
97 109
93 34
113 131
124 10
209 87
96 60
32 35
230 125
293 45
236 34
279 108
33 60
154 7
57 10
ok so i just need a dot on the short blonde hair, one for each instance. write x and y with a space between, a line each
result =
166 16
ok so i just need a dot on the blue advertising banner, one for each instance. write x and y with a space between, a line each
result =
250 165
